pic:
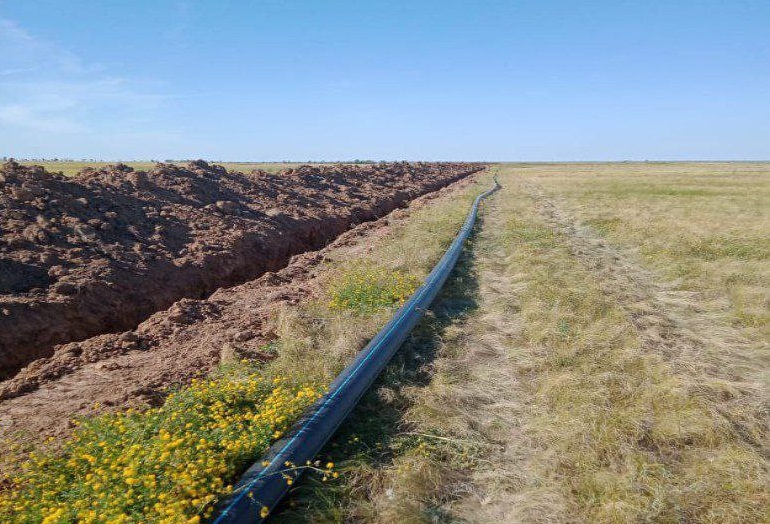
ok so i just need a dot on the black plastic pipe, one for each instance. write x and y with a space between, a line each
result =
262 486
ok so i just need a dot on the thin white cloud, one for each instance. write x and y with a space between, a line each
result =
37 119
10 31
54 93
24 51
16 71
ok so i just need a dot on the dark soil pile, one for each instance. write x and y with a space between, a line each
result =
137 367
101 252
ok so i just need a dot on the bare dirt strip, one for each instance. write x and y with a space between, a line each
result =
100 252
134 368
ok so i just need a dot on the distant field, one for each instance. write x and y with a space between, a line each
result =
72 168
703 227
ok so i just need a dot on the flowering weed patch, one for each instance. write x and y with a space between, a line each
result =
368 287
163 465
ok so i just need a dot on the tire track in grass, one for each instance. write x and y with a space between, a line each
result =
670 322
482 394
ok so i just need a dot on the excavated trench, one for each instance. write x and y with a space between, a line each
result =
101 252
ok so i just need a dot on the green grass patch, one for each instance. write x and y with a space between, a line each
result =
605 225
623 190
521 232
367 287
714 248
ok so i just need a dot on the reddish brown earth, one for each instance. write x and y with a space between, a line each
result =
190 338
100 252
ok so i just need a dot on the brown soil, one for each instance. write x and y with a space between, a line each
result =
101 252
134 368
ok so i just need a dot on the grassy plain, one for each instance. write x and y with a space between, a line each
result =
704 227
600 356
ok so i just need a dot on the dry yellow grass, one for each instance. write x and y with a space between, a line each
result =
703 227
597 380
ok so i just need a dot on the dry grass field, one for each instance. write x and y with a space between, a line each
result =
609 363
703 227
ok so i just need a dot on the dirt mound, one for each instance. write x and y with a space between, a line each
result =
101 252
135 368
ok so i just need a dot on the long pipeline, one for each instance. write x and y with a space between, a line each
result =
265 483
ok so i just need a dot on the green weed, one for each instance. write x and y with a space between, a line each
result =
367 287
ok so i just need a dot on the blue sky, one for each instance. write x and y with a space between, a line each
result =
385 80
